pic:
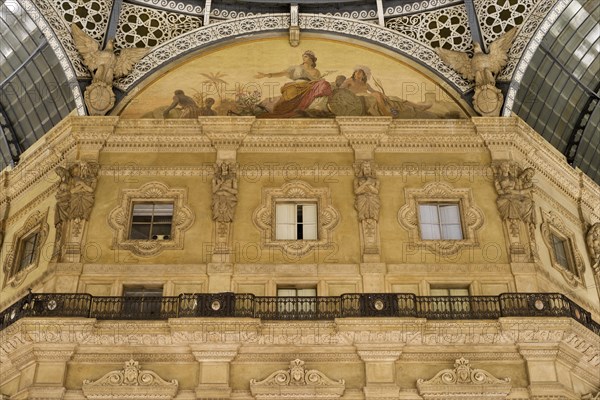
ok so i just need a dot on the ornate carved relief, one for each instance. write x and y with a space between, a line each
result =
297 382
104 65
296 191
463 382
553 225
130 383
471 216
14 272
367 204
514 186
482 68
224 201
120 218
593 243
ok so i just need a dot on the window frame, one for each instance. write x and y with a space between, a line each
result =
471 217
264 217
554 227
14 271
121 217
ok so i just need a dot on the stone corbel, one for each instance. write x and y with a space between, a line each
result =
364 134
380 369
214 359
226 134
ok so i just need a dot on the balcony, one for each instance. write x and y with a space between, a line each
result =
233 305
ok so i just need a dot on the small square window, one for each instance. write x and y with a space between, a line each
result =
28 247
440 221
296 221
151 221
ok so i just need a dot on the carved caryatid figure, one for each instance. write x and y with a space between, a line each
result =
593 242
105 66
224 189
366 189
514 193
75 195
482 68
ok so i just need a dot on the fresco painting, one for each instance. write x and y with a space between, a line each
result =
270 79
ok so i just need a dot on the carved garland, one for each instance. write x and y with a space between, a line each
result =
297 382
553 225
471 216
120 218
296 191
35 223
130 383
464 382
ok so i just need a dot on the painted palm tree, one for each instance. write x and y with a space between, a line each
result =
215 79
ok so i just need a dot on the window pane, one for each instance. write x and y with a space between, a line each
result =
285 221
140 232
430 232
28 251
428 213
307 292
449 214
451 232
560 251
286 292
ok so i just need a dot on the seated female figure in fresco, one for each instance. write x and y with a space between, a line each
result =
306 87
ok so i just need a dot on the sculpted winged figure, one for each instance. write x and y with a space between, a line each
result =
105 65
482 67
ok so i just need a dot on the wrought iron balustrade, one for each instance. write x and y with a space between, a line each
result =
245 305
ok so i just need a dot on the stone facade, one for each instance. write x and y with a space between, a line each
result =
369 240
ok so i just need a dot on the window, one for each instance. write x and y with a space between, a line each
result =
434 216
151 221
444 304
561 251
27 251
277 217
439 221
296 221
298 300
